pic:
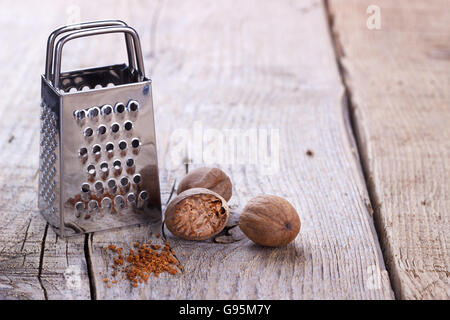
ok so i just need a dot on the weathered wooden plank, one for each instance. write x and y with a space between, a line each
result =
25 271
59 271
399 79
257 65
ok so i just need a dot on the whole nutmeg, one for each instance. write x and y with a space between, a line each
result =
269 221
213 179
197 214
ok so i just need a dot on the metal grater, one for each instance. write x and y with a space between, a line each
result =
98 160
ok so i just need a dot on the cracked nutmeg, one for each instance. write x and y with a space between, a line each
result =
197 214
269 221
213 179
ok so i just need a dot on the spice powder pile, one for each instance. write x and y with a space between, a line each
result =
145 260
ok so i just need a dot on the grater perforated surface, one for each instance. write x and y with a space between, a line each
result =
48 157
108 142
109 162
98 161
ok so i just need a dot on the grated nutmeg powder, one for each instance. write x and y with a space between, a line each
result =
142 262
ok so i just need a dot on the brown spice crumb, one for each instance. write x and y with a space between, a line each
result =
109 286
146 260
105 280
309 153
158 235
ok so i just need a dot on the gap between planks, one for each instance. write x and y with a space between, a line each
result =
347 106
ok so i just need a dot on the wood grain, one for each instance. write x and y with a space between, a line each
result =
267 65
34 263
228 65
399 80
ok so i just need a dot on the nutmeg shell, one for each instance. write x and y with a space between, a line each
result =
269 221
213 179
197 214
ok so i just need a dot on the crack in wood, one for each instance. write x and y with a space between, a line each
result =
171 192
67 253
90 270
163 233
26 235
41 262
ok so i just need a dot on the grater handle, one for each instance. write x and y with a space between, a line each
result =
79 26
97 31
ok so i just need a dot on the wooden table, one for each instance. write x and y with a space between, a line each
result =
362 116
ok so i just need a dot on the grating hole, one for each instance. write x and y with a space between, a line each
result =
131 198
137 179
111 183
115 127
85 187
107 109
98 86
104 166
82 152
85 88
124 181
94 112
128 125
96 149
119 201
79 206
106 202
143 195
88 132
133 106
93 204
120 107
109 146
91 169
130 162
135 143
80 114
73 89
117 164
98 185
109 85
122 145
101 130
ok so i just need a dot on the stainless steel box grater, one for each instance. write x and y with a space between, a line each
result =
98 160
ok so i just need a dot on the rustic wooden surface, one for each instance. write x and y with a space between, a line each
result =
26 270
399 82
228 65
